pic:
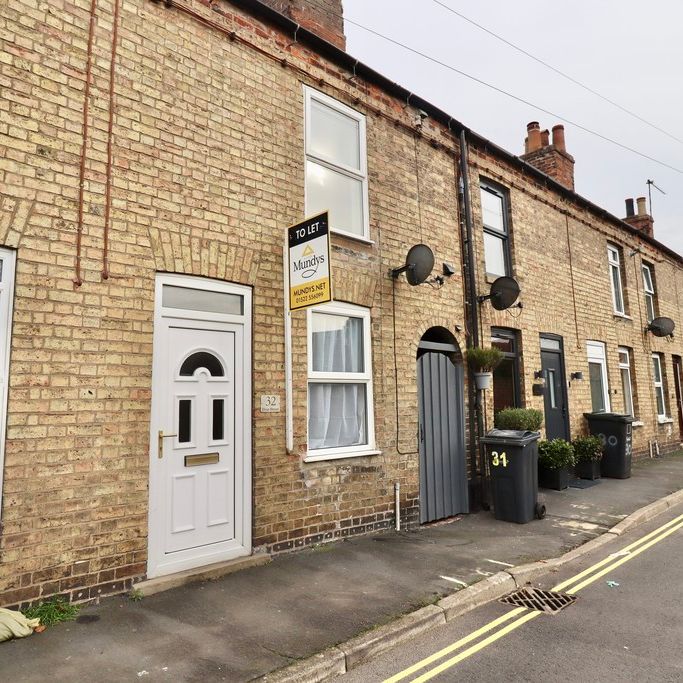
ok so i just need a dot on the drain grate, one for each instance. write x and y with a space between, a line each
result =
542 601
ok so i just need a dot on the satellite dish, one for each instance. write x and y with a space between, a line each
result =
661 327
504 292
419 264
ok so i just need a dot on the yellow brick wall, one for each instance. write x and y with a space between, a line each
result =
208 170
207 173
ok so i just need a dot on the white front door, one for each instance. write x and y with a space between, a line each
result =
200 479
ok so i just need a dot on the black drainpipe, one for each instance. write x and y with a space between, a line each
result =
475 416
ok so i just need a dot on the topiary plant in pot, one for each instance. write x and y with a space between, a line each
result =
555 460
525 419
483 362
588 454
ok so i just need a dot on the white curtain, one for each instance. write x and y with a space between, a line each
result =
337 411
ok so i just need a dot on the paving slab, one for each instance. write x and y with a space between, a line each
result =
255 621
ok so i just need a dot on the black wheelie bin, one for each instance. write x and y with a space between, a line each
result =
512 457
615 432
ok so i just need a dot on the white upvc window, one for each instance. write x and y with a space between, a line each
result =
336 164
597 374
660 395
340 403
614 260
649 289
626 384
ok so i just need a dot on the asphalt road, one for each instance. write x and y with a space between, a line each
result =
632 631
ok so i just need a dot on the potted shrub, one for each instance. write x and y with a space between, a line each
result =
483 361
555 460
525 419
588 454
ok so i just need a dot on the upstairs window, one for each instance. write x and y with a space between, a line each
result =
649 289
336 164
614 259
496 230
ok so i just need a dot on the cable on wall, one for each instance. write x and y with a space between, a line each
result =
571 274
110 142
78 278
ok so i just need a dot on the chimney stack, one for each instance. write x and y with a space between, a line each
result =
322 17
552 159
642 220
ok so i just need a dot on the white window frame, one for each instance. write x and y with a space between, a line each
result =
596 354
614 260
8 259
364 377
626 365
649 290
659 385
360 174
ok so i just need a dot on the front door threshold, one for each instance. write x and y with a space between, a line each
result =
206 573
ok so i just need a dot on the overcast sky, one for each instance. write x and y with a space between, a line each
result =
629 51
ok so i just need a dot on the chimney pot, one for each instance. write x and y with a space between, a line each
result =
558 138
642 210
545 137
629 208
534 136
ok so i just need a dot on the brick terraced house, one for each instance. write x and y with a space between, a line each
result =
162 411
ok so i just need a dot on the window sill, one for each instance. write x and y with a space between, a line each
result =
664 420
622 316
317 457
637 423
352 236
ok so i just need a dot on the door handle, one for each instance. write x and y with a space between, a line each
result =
160 442
421 432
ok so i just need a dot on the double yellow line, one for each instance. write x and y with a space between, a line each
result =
524 615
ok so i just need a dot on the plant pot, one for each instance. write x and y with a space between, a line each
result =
482 380
553 479
588 469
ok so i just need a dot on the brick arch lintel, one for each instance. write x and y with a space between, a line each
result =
177 253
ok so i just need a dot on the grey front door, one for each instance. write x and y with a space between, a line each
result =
555 398
443 471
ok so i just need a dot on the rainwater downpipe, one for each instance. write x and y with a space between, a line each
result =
397 504
473 322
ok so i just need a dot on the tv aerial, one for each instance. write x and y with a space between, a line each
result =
650 185
503 293
418 266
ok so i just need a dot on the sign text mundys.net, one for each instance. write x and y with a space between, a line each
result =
309 262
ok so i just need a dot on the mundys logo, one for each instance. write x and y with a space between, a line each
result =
308 267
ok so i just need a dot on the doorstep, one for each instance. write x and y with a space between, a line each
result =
205 573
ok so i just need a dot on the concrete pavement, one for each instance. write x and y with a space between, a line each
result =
264 618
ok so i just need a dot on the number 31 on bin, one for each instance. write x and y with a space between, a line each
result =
498 459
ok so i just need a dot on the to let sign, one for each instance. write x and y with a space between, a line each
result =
309 263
